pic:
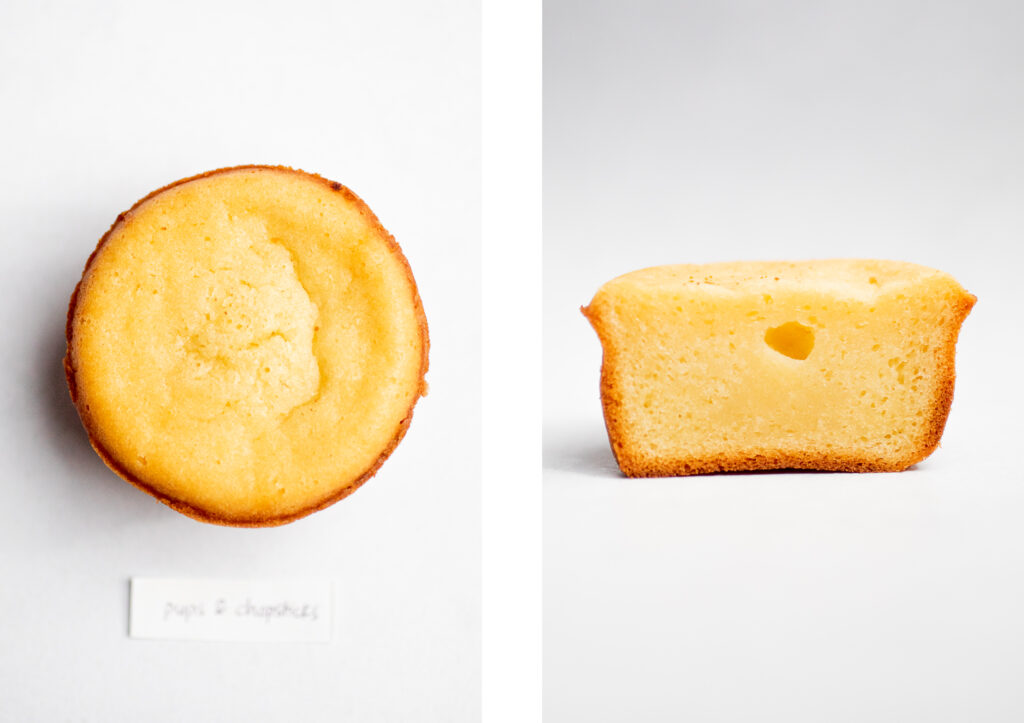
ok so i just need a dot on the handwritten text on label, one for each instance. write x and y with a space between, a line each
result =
262 610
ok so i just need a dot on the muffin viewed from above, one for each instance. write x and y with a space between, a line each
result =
844 365
247 345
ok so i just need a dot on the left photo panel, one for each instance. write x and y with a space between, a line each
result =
241 419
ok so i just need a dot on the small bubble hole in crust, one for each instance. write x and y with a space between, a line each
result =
792 339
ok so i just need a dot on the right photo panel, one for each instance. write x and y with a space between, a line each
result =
782 350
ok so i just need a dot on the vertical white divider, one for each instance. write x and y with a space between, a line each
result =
511 494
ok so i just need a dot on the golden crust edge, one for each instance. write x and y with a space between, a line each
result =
198 513
633 465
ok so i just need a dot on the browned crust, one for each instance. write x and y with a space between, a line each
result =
180 505
635 465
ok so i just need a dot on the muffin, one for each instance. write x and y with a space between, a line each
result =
843 365
247 345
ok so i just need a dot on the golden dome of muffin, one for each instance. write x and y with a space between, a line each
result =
247 345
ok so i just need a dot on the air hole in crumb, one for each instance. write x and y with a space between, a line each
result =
792 339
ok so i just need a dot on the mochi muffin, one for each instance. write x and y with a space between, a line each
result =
839 364
247 345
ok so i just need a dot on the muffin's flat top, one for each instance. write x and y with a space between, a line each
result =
856 278
249 343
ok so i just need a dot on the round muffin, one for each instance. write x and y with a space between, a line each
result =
247 345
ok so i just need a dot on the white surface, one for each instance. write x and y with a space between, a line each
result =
511 350
276 610
103 102
704 131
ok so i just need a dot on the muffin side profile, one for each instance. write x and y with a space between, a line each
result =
247 345
842 365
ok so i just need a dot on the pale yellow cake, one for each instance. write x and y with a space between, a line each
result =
831 365
247 345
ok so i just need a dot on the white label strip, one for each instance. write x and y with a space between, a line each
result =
295 611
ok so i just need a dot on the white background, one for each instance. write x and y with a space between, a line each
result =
705 131
104 102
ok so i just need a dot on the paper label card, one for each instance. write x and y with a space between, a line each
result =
285 611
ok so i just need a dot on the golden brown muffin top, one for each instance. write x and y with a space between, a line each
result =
247 344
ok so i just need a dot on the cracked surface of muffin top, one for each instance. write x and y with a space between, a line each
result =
247 345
